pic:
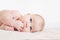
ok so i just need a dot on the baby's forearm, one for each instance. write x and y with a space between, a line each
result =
5 27
13 23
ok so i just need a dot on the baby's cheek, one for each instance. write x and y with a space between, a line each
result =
25 29
28 29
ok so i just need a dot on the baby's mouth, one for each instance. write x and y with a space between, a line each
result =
15 29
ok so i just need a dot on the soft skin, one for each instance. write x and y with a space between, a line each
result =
12 20
36 24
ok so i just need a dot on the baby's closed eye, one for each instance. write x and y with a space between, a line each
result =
30 28
30 20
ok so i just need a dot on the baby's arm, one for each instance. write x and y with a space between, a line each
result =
5 27
7 18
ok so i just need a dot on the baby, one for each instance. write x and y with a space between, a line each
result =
12 20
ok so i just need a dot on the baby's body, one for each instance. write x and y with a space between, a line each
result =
12 20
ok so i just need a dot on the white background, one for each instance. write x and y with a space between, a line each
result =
49 9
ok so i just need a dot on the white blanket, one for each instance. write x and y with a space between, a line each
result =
45 34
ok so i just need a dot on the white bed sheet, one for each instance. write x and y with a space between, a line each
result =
51 33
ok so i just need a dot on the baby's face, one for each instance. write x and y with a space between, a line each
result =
35 22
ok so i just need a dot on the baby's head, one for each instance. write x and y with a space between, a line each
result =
35 22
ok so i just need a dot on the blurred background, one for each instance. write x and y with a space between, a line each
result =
48 9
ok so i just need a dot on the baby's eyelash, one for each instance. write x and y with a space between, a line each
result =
30 20
30 28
